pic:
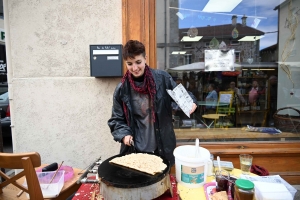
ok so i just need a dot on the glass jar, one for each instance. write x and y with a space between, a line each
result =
222 178
243 190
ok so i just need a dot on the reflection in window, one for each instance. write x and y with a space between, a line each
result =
257 33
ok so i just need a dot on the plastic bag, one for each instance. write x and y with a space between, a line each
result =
263 129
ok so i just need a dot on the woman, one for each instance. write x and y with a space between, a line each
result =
238 98
142 109
254 96
212 97
255 92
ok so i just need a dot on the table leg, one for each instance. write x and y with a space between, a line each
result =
211 124
204 123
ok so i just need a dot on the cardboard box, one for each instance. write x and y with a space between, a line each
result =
271 191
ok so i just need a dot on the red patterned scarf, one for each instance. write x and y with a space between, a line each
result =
147 88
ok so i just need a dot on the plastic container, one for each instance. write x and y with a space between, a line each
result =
191 165
53 189
69 172
243 190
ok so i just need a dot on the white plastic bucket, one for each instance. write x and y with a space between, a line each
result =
191 171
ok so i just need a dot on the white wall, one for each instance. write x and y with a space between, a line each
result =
57 109
2 23
285 85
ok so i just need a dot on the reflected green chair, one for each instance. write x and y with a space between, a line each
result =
223 111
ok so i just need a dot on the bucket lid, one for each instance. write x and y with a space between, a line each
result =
244 184
187 153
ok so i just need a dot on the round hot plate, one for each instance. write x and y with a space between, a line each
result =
123 177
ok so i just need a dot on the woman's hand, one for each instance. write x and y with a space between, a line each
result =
193 108
127 140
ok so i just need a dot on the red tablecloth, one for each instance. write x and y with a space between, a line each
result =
87 190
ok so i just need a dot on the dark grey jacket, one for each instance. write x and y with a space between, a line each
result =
164 131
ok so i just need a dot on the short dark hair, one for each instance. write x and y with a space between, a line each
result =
212 85
133 48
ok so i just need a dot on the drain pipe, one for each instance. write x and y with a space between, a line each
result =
165 34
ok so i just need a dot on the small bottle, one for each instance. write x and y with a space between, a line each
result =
210 166
243 190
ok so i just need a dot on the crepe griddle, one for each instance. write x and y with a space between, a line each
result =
123 177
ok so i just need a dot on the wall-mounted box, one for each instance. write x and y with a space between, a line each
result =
106 60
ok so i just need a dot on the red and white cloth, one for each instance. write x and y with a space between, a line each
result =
87 190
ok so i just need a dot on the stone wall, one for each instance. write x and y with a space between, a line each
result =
57 109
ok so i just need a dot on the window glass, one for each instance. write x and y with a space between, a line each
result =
4 97
3 89
240 59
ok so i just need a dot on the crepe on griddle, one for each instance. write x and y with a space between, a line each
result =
150 164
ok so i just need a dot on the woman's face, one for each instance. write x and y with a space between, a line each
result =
136 66
255 84
232 85
210 88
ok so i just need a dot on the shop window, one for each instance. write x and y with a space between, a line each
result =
266 63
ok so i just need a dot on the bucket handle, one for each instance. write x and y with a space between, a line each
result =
197 153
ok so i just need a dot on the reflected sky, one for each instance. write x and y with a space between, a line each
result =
192 16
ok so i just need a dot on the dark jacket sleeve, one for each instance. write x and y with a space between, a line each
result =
193 97
118 123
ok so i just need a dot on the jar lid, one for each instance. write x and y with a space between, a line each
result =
244 184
